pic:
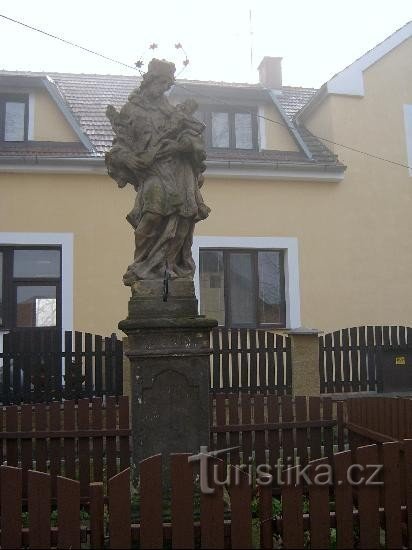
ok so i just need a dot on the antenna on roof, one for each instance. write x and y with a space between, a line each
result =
251 40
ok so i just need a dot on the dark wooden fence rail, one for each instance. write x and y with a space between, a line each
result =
250 360
45 365
347 357
88 441
269 427
225 519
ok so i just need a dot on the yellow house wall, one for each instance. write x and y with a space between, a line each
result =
370 223
49 123
355 260
277 136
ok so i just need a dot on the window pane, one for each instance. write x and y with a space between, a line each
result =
220 130
36 306
14 123
243 131
242 295
270 303
1 289
212 296
36 263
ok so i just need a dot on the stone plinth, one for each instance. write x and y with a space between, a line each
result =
169 353
305 361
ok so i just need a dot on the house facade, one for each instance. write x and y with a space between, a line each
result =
303 232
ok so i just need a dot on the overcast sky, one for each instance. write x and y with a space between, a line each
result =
316 38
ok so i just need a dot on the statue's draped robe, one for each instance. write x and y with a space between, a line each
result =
168 201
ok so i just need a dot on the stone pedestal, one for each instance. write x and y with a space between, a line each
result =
305 361
169 353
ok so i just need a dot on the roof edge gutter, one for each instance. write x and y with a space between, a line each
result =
215 168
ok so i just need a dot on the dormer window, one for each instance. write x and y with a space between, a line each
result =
230 128
13 117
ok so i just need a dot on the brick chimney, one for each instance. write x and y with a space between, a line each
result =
270 72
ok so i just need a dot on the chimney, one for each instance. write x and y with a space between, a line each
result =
270 72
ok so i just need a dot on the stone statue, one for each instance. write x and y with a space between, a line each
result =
158 149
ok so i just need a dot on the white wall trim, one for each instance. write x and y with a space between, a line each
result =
288 244
65 240
350 80
407 114
30 130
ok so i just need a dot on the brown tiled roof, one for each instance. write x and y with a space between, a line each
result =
87 96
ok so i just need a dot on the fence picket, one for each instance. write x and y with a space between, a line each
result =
182 501
96 515
252 360
260 440
368 500
55 444
39 499
40 415
244 362
265 516
301 433
69 442
241 510
315 431
319 506
212 514
88 364
292 516
84 446
225 358
68 509
111 440
392 494
234 354
11 507
119 510
271 360
151 512
97 424
354 358
234 420
261 335
11 444
343 500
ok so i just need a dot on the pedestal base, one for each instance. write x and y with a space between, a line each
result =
169 352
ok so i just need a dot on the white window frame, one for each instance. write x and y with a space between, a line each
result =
65 241
289 245
407 115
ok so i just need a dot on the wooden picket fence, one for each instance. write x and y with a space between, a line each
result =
46 365
365 517
250 360
347 357
269 427
378 420
88 441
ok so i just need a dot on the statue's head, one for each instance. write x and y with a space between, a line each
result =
159 78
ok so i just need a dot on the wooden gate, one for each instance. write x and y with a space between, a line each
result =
348 357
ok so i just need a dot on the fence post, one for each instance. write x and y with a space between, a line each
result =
305 361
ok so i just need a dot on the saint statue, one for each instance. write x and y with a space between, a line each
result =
158 148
